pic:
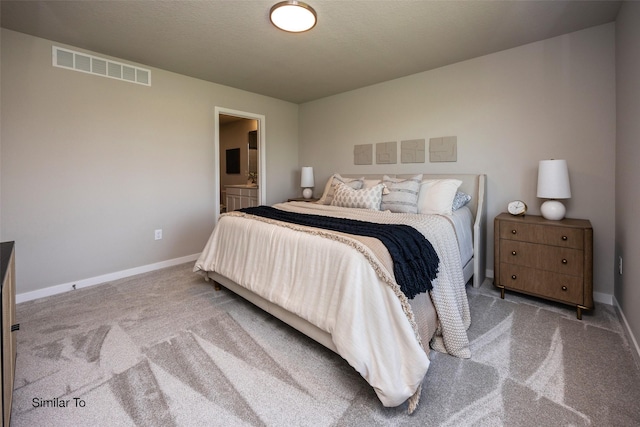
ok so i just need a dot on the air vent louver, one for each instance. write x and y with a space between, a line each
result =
99 66
83 63
64 59
129 73
78 61
115 70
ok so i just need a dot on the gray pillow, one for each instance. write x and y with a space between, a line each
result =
460 200
402 196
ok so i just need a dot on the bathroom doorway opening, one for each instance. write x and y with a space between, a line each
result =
240 155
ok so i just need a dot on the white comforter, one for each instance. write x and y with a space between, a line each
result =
343 290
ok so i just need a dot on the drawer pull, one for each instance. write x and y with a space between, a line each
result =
514 277
564 261
514 231
565 238
564 288
514 253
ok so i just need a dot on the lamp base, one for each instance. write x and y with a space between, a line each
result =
307 193
553 210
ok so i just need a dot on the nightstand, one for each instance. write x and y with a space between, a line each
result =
544 258
302 199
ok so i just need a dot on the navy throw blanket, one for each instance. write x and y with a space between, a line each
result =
415 262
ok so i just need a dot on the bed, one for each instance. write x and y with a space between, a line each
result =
341 290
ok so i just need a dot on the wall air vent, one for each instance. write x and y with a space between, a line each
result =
78 61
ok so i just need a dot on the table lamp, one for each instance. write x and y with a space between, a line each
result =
306 181
553 183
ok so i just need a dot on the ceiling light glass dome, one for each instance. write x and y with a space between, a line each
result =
293 16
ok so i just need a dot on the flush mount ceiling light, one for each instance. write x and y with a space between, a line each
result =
293 16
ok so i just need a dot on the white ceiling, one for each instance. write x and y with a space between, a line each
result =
354 44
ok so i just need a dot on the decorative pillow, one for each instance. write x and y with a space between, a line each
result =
368 183
402 195
460 200
436 196
367 198
329 189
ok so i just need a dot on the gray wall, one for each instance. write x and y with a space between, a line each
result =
91 165
509 110
627 288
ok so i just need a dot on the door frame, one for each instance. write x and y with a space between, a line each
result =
262 149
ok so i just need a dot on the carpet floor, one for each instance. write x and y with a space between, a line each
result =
165 349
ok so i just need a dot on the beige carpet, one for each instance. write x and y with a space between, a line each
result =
165 349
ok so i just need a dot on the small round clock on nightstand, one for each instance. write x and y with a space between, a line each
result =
517 207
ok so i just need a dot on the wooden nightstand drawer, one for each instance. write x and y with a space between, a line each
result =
510 230
549 258
563 236
559 287
556 236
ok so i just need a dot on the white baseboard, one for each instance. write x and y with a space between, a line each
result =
603 298
634 341
66 287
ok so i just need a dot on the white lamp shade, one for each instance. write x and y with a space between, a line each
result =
306 179
553 180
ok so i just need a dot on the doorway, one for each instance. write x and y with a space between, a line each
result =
243 155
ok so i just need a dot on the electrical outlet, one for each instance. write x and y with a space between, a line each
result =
158 234
620 265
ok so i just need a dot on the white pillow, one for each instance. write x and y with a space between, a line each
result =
402 195
366 198
335 179
436 196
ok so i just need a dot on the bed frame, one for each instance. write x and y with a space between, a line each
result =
475 185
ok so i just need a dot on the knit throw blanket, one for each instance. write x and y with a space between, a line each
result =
415 262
